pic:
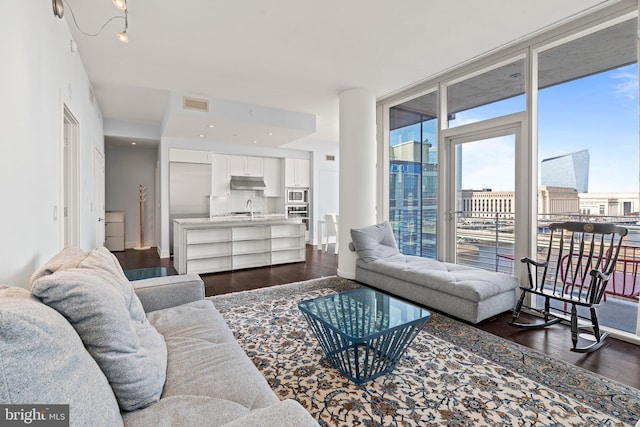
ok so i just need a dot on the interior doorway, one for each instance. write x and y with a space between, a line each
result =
99 195
70 224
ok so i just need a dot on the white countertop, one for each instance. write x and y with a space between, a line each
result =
234 219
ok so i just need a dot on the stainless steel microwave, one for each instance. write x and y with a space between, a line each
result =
297 195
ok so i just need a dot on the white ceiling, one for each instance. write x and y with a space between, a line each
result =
293 55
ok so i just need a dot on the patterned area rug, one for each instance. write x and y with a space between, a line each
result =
453 374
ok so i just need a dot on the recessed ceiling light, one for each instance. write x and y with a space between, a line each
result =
201 135
255 142
211 126
133 143
269 133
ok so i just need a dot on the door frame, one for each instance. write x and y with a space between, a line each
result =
99 197
526 183
69 207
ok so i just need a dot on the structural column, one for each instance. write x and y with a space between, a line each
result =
357 171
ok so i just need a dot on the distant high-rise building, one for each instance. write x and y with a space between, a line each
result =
569 170
413 186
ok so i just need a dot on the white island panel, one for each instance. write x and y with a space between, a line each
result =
207 245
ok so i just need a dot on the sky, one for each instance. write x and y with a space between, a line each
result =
598 113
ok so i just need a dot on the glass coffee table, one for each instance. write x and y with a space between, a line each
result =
363 333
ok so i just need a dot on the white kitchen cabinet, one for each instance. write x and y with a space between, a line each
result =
189 156
246 166
272 177
255 166
296 173
220 176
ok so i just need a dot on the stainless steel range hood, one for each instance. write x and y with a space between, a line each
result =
247 183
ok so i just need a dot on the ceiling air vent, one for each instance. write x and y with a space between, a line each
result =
330 157
195 104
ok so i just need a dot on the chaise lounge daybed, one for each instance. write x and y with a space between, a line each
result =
468 293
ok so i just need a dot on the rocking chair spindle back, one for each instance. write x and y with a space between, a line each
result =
580 259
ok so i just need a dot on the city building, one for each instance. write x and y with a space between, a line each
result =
609 204
487 204
557 200
569 170
412 214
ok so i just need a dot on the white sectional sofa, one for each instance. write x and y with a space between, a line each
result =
157 354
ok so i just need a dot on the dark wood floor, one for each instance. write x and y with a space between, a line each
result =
617 360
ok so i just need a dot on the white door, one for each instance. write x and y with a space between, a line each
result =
70 224
98 194
488 212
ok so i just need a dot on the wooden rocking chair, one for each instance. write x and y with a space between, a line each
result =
580 260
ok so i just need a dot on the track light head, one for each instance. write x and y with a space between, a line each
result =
123 37
120 4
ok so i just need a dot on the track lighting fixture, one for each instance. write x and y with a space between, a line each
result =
122 36
58 10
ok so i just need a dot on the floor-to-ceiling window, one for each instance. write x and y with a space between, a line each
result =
588 148
573 92
413 175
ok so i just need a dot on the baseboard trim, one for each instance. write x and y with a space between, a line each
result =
163 254
346 275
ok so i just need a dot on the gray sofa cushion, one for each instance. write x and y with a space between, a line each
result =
374 242
466 282
93 294
196 335
43 361
157 293
209 411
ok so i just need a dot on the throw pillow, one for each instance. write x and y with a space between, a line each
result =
93 294
69 255
43 361
375 241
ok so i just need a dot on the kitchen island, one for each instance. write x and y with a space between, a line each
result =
232 242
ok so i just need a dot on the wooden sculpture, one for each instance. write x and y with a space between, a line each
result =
142 197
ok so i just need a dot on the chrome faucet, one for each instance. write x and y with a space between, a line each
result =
250 207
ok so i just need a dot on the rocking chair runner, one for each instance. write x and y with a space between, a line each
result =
580 260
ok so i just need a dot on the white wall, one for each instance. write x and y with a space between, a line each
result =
38 74
325 188
127 168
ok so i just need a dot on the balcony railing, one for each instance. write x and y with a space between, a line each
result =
486 240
